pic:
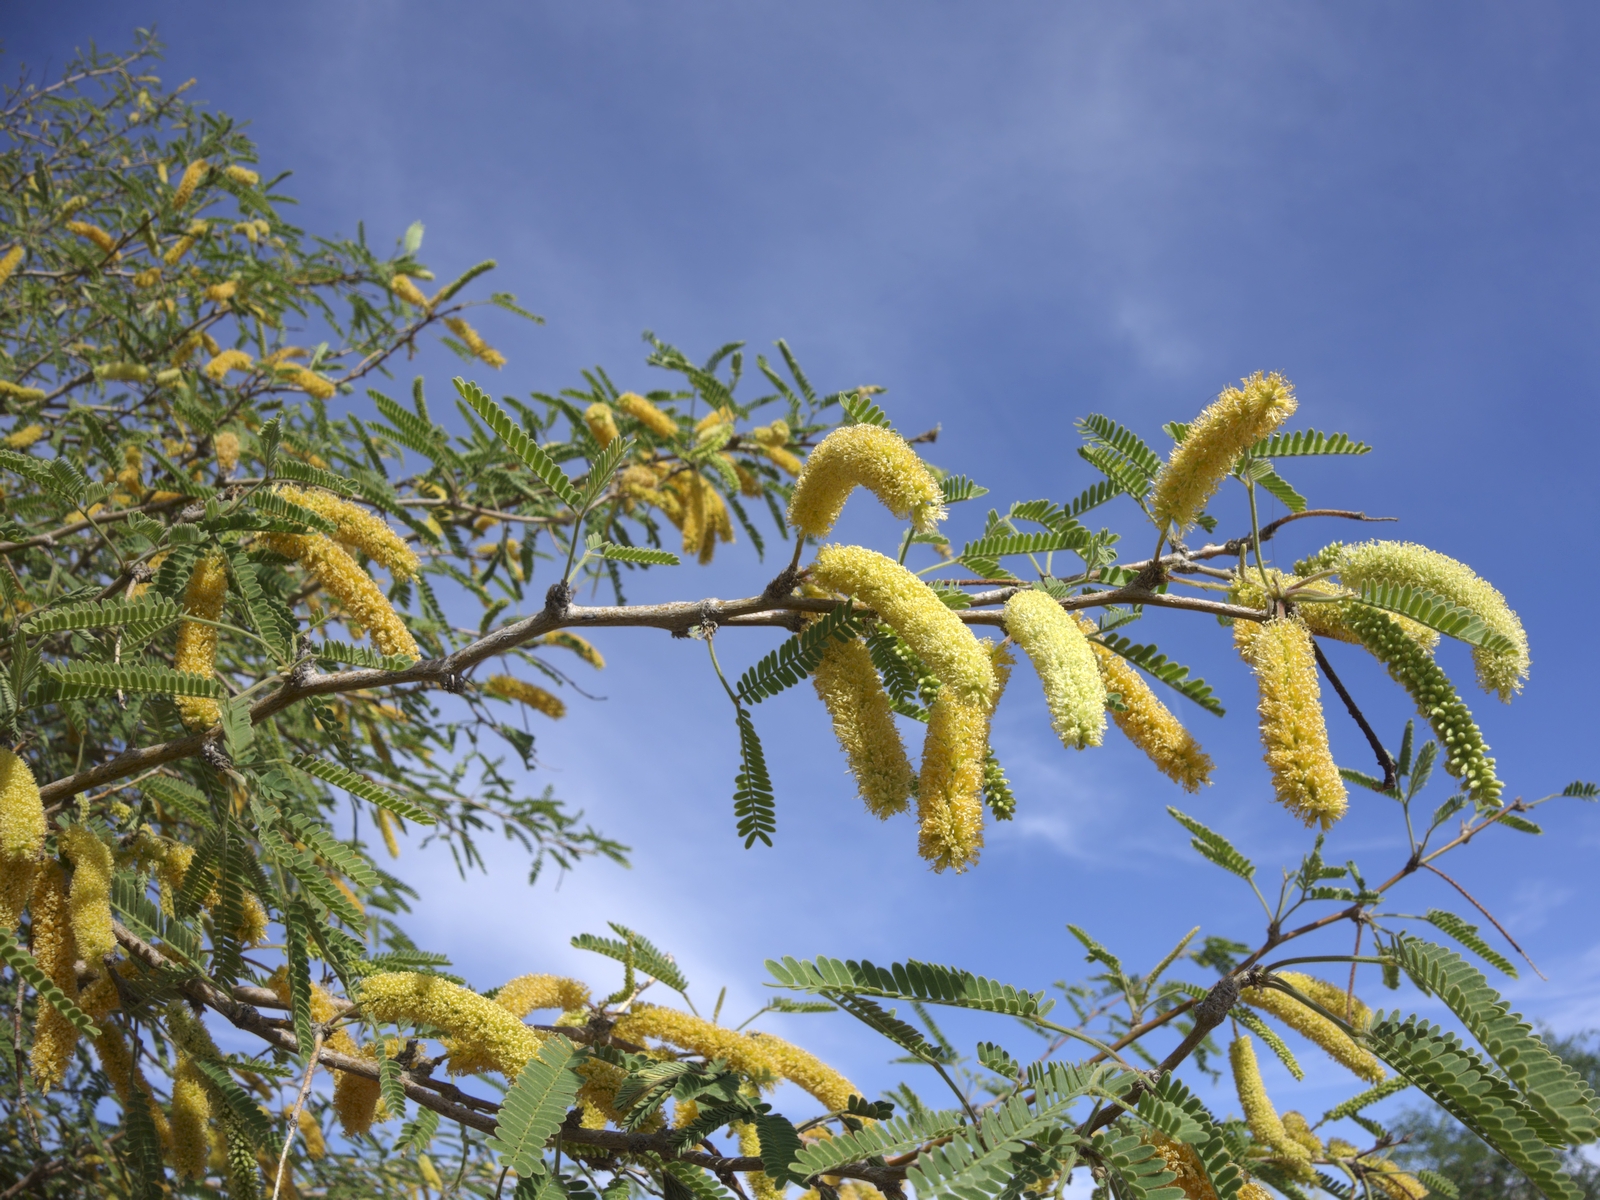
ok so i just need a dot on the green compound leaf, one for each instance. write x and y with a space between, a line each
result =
957 488
154 612
636 951
1214 847
862 411
86 681
894 1136
359 785
20 961
1434 611
642 555
245 1111
1125 442
1074 537
754 804
1174 675
1467 934
796 658
519 443
911 980
1307 441
535 1107
299 472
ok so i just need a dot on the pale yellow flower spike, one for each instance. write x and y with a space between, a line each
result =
913 610
192 175
808 1072
580 646
602 423
1184 1162
310 382
1227 427
358 529
474 342
1265 1125
1408 564
760 1183
191 1117
196 650
699 1036
647 414
246 178
868 456
226 447
316 1145
90 898
386 828
1299 1130
355 1097
22 834
1293 732
786 459
21 439
483 1035
1316 1028
1065 665
8 265
228 360
362 600
103 240
509 687
863 721
409 292
530 993
1148 723
950 788
55 951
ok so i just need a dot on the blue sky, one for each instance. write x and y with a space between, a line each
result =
1010 215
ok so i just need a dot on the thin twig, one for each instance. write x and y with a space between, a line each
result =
1391 780
294 1113
1473 901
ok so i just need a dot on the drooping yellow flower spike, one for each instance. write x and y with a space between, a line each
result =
90 898
1407 564
509 687
482 1035
1299 1130
647 414
196 650
808 1072
913 610
316 1145
1225 429
22 834
357 529
323 1005
580 646
1392 1181
1148 723
176 251
950 787
530 993
1304 776
867 456
191 1119
103 240
474 342
863 721
362 600
55 951
602 423
245 177
1265 1125
355 1097
192 175
698 1036
1314 1027
21 439
391 843
228 360
10 262
1065 665
408 291
309 382
1184 1162
226 447
120 1067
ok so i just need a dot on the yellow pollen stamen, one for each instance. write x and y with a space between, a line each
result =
868 456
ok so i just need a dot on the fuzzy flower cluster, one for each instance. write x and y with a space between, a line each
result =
89 901
509 687
1293 732
191 178
21 439
1148 723
602 423
22 834
355 1097
913 610
950 786
1466 754
481 1034
1065 665
102 240
647 414
808 1072
480 349
743 1053
1265 1124
402 286
226 447
1407 564
357 529
867 456
196 650
227 360
56 952
530 993
685 498
1313 1026
863 721
9 262
362 600
190 1119
1224 430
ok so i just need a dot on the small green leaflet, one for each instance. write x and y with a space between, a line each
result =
862 411
641 555
155 612
82 681
1280 489
299 472
238 734
1434 611
247 1112
535 1107
20 961
1097 428
957 488
1306 441
275 505
911 980
999 545
1174 675
359 785
519 443
1214 846
637 951
334 653
754 805
796 658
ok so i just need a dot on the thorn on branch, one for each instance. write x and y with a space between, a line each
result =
558 599
783 585
215 756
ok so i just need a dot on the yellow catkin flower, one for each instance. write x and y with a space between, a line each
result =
602 423
1293 732
408 291
243 176
252 927
226 447
89 901
868 456
647 414
1316 1028
358 529
221 293
474 342
21 439
56 953
749 485
1254 1191
598 1093
509 687
1227 427
130 478
1392 1181
429 1176
1323 620
717 416
316 1144
808 1072
386 828
776 434
1409 565
196 650
950 786
228 360
22 834
1148 723
863 721
530 993
786 459
362 600
310 382
580 646
174 865
1065 665
1184 1162
10 262
191 1118
192 175
103 240
743 1053
355 1097
760 1183
1265 1125
913 610
186 243
147 278
483 1036
1299 1130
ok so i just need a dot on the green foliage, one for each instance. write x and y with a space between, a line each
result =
1467 934
20 961
1174 675
637 953
910 980
754 805
1434 611
1214 847
798 657
535 1107
1307 441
